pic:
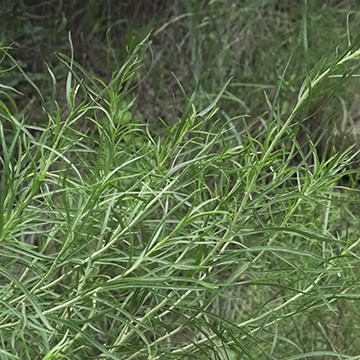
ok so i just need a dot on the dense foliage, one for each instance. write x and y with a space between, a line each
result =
140 222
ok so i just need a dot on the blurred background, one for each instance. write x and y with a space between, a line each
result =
195 45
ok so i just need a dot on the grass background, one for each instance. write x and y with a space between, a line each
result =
179 180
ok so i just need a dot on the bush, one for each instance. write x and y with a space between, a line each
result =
209 238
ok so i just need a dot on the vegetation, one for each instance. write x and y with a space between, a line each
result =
135 224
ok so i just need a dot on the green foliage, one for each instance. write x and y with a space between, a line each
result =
222 233
202 239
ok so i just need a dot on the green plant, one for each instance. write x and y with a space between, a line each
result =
202 239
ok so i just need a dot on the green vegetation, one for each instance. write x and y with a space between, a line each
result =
224 225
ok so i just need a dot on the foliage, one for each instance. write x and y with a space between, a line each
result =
208 234
196 241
